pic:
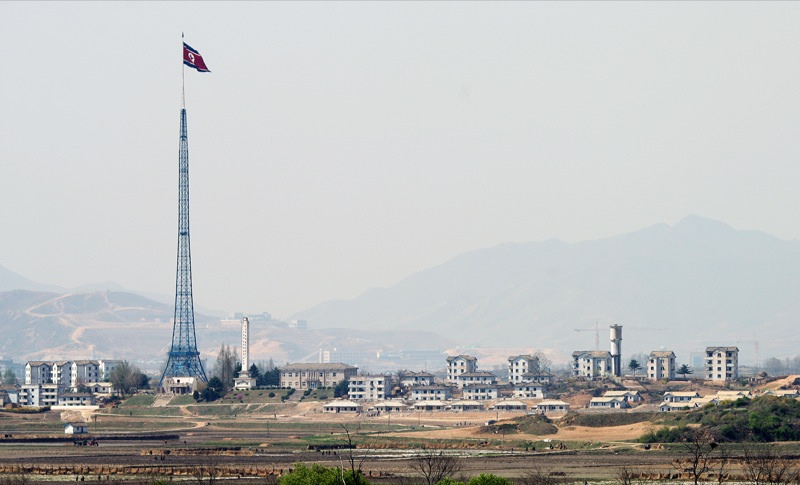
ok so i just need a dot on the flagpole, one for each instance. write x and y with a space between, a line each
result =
183 77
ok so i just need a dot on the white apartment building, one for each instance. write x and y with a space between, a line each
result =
529 390
62 374
591 364
84 371
73 399
369 387
430 393
479 392
722 363
311 376
107 367
477 377
661 365
518 365
460 364
38 372
411 379
38 395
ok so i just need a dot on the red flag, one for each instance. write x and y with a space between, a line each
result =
192 58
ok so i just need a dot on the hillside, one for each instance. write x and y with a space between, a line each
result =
697 283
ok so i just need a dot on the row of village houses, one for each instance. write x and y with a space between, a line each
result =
56 383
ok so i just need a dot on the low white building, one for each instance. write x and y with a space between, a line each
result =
342 406
464 405
528 390
76 399
479 392
625 395
608 403
788 393
543 378
434 405
476 378
369 387
180 385
430 393
552 406
391 406
75 428
680 396
509 406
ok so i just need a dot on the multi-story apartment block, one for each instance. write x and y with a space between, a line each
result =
369 387
62 374
38 372
76 399
107 367
310 376
480 392
411 379
460 364
661 365
722 363
38 395
84 371
477 377
518 365
430 393
529 390
591 364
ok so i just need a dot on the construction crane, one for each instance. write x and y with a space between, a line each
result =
596 331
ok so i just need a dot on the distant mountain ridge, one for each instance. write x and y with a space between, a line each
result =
697 283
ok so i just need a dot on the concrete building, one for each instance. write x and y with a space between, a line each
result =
480 392
625 395
62 374
477 377
74 399
312 376
543 378
179 385
411 379
369 387
519 365
722 363
591 364
608 403
84 371
528 390
75 428
342 406
38 395
616 350
38 372
460 364
509 406
464 405
430 393
552 406
107 366
428 406
661 365
680 396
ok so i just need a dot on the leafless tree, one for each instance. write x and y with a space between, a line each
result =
763 465
355 470
435 466
699 445
207 472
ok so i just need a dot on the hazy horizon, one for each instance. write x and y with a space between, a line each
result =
337 147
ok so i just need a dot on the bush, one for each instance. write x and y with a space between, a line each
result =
449 481
320 475
489 479
271 394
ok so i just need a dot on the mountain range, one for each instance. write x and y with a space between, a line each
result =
683 287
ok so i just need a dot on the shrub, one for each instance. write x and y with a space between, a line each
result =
489 479
271 394
449 481
319 475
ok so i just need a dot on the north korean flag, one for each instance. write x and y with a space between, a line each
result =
192 58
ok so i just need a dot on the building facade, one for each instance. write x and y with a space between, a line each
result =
661 365
722 363
519 365
474 378
369 387
312 376
460 364
591 364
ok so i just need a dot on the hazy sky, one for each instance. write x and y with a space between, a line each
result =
341 146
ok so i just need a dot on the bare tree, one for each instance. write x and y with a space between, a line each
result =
542 476
699 445
355 471
762 465
435 466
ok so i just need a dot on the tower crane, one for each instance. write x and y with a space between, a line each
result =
596 331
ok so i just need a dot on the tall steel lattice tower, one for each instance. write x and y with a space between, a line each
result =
183 359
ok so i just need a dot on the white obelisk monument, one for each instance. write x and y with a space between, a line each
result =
244 381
